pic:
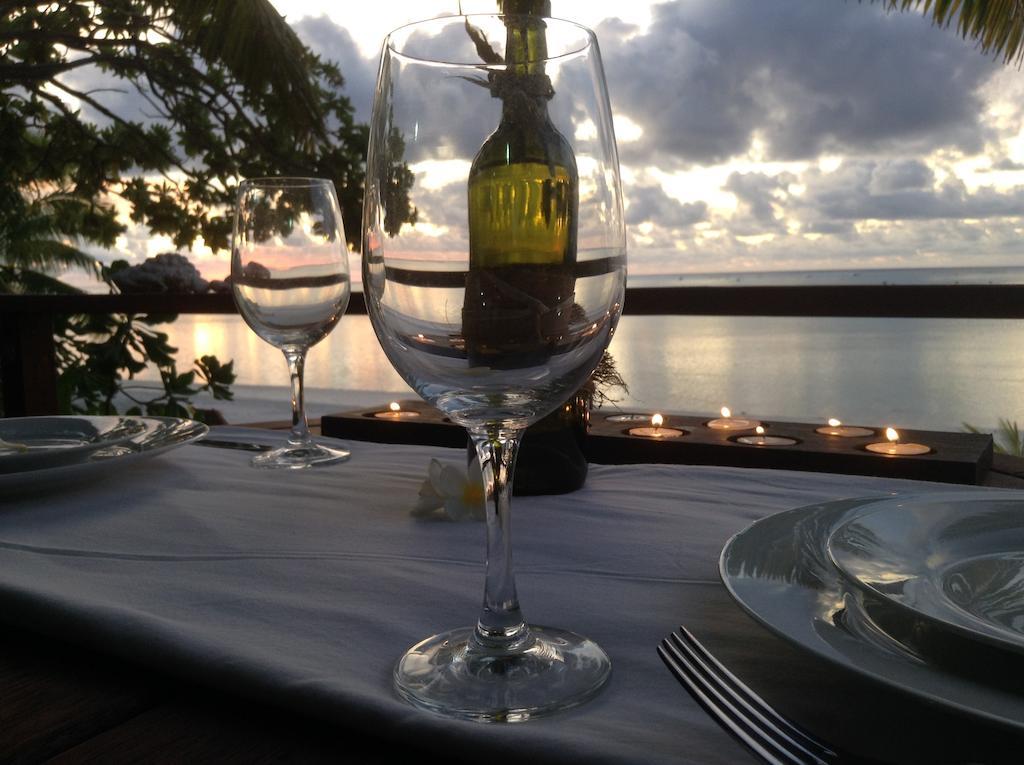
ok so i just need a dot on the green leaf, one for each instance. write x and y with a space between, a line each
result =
159 351
152 319
216 377
181 384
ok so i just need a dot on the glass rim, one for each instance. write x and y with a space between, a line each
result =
286 182
589 41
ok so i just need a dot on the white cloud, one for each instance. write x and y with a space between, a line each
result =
753 135
369 26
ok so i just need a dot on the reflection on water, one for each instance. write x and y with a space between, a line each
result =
916 372
928 373
349 357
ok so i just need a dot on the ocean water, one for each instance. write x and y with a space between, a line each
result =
867 276
913 373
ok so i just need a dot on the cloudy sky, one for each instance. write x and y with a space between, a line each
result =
770 134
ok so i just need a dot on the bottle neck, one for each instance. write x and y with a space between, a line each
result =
524 87
524 7
526 45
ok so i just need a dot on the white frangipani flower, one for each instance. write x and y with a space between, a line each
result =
456 491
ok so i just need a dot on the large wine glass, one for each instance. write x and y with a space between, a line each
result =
494 271
289 275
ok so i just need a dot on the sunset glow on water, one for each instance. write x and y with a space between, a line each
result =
937 374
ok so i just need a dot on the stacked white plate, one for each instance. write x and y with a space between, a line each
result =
921 593
38 452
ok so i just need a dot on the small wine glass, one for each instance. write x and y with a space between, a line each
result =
494 265
289 276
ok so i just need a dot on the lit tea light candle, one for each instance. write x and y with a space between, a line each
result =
728 422
836 428
761 439
656 430
894 447
396 413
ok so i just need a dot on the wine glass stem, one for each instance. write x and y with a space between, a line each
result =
300 430
501 626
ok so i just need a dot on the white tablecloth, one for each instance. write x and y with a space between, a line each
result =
303 588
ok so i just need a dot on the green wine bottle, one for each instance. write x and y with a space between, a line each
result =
523 203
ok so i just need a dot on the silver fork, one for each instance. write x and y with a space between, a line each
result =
739 710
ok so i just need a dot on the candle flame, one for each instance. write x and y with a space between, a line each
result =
759 430
892 434
394 406
726 412
833 422
657 421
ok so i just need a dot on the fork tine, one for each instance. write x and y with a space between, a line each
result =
715 671
749 736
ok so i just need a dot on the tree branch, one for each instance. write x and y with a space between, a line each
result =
171 159
21 73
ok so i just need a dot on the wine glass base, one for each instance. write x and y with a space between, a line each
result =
556 670
298 457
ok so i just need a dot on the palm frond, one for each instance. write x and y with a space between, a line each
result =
997 25
1007 438
48 255
18 281
257 46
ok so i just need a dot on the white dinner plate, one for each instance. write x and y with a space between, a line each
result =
158 435
958 563
780 572
34 443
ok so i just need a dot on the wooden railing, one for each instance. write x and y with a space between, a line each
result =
28 366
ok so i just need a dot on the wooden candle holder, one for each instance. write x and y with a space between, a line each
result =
962 458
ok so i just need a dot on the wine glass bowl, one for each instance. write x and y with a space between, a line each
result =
431 118
494 272
289 277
